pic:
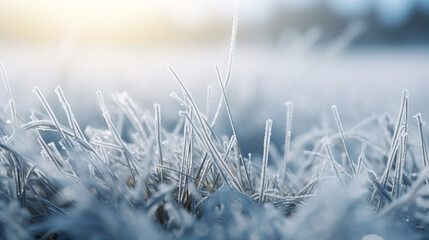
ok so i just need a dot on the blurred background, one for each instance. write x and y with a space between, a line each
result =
358 54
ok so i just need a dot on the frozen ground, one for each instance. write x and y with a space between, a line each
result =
361 81
134 179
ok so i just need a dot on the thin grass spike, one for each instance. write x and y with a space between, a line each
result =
230 62
395 138
267 137
361 158
205 134
420 124
72 119
289 115
331 157
158 139
51 115
129 157
208 99
234 129
343 138
5 80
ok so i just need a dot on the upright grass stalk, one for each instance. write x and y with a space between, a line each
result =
289 114
70 116
399 168
9 92
183 158
361 158
130 160
5 80
206 136
402 118
125 102
208 100
331 157
420 124
229 68
267 137
52 116
234 131
157 123
343 139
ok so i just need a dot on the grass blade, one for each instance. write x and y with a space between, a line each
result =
267 137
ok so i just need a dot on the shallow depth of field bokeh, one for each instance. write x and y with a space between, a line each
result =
357 54
306 145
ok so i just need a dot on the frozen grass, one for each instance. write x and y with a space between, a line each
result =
133 179
191 183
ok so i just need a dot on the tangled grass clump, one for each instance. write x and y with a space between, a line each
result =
191 183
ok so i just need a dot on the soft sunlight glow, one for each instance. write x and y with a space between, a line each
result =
124 19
